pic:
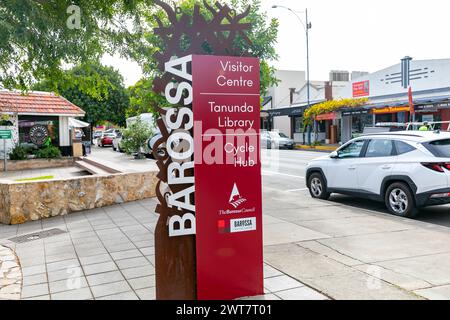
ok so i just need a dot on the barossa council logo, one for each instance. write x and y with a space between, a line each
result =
235 198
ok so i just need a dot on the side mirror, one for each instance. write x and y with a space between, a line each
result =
334 155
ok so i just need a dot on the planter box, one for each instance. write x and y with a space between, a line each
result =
29 201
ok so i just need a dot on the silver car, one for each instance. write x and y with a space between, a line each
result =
276 140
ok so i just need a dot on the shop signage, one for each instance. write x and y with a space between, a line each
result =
38 134
390 110
426 108
354 112
290 111
208 238
361 89
444 105
227 177
326 116
5 134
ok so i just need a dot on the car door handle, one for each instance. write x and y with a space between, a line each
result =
386 167
351 168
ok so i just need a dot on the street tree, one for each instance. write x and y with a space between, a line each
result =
97 89
135 137
263 35
143 99
38 38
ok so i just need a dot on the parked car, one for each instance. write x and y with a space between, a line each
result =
151 142
406 170
117 142
97 134
276 140
106 140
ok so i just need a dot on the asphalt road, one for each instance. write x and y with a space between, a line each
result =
285 170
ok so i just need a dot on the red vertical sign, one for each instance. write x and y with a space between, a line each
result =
228 208
410 101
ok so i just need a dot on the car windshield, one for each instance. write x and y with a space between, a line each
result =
439 148
274 134
283 135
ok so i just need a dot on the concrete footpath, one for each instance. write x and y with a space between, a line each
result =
312 250
351 253
104 254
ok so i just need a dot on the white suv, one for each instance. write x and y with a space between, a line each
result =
406 170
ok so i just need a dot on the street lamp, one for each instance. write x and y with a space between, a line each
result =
306 26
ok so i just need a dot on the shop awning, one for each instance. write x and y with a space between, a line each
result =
354 112
404 102
291 111
75 123
266 100
326 116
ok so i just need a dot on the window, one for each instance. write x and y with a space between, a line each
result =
33 130
380 148
298 124
439 148
403 147
353 150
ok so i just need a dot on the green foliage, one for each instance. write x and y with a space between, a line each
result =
5 120
143 99
36 41
135 136
50 152
38 37
18 153
103 99
329 106
263 36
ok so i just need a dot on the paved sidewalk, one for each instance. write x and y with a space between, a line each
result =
121 161
10 275
353 253
108 253
341 251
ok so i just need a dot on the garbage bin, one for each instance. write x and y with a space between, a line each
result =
87 147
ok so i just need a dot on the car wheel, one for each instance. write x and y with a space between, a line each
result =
399 200
317 187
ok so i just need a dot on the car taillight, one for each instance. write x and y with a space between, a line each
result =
437 166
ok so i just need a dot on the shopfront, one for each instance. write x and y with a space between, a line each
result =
388 95
353 122
39 119
327 125
287 120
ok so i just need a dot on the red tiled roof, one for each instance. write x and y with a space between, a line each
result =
37 103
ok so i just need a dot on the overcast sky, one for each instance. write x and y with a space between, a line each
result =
353 35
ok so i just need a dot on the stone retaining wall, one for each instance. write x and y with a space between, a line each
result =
16 165
28 201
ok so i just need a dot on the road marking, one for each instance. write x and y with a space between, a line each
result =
282 174
294 190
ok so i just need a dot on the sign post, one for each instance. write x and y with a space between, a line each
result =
5 134
228 203
208 238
